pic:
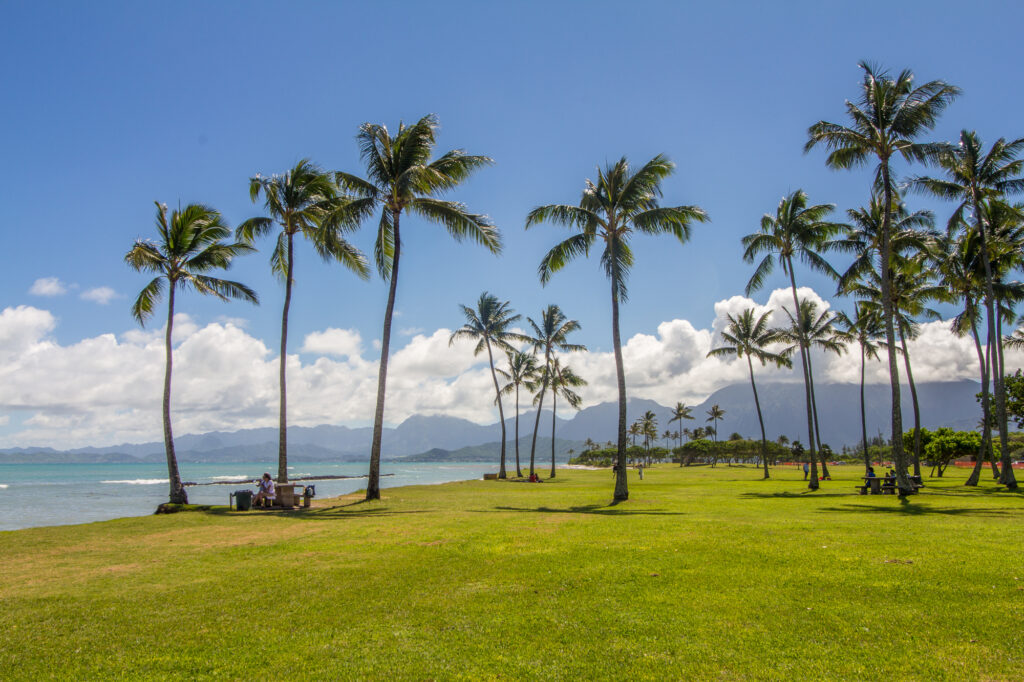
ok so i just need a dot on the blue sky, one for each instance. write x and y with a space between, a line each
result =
110 106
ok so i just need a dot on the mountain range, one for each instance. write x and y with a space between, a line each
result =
428 438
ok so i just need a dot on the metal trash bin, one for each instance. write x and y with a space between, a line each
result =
243 500
307 495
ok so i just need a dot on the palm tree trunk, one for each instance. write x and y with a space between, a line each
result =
814 407
373 480
536 423
501 413
282 429
917 408
621 485
813 483
178 495
1007 478
519 471
760 419
863 413
899 457
554 406
975 476
990 369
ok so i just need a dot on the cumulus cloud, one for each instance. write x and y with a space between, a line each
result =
331 341
107 389
48 286
101 295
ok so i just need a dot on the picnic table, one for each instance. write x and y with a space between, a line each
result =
885 485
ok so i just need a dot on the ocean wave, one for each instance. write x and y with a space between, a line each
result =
228 478
139 481
3 485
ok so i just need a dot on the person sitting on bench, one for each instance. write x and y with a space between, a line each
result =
267 491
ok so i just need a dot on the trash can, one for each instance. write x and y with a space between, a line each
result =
307 495
243 500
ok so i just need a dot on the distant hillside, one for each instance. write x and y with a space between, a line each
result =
942 404
490 452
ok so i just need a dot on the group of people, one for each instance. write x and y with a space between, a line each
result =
890 476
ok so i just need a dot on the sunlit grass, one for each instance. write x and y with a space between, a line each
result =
701 574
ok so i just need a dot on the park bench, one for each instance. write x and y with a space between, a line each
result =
884 486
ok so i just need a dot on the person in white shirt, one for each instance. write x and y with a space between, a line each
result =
267 490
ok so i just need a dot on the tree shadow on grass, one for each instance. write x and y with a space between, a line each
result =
907 508
805 495
599 509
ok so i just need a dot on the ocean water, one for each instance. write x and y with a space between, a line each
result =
59 494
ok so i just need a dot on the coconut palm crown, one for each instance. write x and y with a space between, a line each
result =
612 208
191 244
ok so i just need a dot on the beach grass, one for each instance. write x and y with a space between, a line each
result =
702 574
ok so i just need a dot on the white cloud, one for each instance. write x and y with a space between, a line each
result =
331 341
101 295
107 389
47 286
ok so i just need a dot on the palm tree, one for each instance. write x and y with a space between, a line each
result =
402 177
864 327
550 335
619 203
488 326
523 370
796 230
884 122
191 244
649 430
304 201
561 379
973 176
810 330
635 430
911 288
714 414
679 413
749 337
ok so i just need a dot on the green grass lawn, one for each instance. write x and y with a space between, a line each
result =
702 574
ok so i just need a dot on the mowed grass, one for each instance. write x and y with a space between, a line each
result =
702 574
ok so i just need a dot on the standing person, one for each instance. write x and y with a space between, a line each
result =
806 470
267 491
640 469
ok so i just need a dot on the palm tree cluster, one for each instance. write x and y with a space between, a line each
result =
490 325
901 264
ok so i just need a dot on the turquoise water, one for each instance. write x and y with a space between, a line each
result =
59 494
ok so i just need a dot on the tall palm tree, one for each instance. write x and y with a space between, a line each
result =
488 325
956 260
972 177
679 413
714 414
549 336
911 288
523 370
635 429
649 430
810 331
795 231
403 178
864 327
889 115
304 202
191 243
611 209
562 380
750 337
